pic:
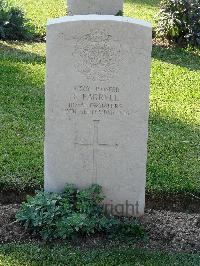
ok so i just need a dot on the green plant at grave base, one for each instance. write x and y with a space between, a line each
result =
120 13
73 213
127 229
179 21
13 24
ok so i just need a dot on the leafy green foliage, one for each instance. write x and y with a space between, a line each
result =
179 21
120 13
13 24
71 213
126 229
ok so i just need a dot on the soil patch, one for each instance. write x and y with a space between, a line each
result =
178 202
171 231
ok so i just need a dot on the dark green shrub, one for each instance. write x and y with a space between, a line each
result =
71 213
127 229
120 13
179 21
13 24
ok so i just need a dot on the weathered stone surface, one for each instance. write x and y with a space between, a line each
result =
97 106
100 7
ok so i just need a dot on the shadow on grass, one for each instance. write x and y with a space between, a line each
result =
63 255
17 54
173 165
177 56
21 120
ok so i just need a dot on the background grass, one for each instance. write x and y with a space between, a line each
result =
142 9
38 11
21 115
33 255
174 133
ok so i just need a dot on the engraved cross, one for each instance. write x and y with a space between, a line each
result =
95 144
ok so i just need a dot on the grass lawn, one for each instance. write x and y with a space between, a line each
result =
173 162
142 9
33 255
40 10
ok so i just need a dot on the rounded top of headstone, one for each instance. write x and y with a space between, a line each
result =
99 7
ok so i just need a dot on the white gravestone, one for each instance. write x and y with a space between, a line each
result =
100 7
97 106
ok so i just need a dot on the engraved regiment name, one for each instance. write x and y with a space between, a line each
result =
86 100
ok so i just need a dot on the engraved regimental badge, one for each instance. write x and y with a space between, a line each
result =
97 55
